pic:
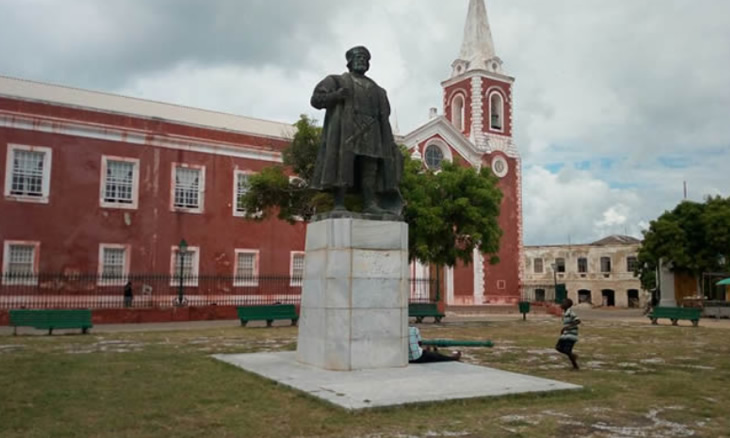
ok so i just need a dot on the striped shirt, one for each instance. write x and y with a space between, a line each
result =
569 317
414 350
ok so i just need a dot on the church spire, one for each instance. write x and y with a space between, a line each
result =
477 50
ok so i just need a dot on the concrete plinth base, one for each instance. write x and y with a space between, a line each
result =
354 311
391 386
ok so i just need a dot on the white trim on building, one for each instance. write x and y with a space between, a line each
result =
24 180
122 191
20 258
113 267
187 188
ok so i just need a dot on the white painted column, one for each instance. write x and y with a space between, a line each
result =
449 299
478 262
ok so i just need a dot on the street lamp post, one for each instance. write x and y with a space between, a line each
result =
555 278
182 249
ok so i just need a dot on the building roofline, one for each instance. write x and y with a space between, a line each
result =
25 89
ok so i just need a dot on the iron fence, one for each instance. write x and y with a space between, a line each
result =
92 291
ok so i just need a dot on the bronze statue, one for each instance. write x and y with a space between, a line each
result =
358 153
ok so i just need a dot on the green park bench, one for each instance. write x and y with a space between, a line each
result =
268 313
423 310
674 314
51 319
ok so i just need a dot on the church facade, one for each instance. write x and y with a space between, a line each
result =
95 183
476 125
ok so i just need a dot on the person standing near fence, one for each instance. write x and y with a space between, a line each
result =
128 294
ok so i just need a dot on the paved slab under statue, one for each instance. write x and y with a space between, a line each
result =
391 386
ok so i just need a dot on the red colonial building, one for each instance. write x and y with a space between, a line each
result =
108 185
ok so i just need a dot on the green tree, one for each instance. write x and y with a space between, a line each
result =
694 237
449 212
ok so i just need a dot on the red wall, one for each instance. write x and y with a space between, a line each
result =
72 225
449 93
509 251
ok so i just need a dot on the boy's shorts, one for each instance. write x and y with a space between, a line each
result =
565 346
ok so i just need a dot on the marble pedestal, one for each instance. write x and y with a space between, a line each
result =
354 310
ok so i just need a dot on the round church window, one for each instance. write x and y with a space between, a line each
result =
434 157
500 167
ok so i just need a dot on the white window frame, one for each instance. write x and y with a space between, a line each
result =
105 159
100 281
175 274
292 256
201 188
461 113
246 283
445 150
236 173
31 280
500 112
45 183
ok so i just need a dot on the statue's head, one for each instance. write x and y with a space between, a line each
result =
358 59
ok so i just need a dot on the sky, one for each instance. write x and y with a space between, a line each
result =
617 103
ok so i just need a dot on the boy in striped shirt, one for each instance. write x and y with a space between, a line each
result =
569 332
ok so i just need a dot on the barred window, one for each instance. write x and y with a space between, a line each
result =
184 260
20 264
246 268
297 268
112 266
187 188
27 176
185 264
20 260
242 187
119 184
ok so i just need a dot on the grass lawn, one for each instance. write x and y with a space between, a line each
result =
641 381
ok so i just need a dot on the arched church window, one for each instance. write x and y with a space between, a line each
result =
496 111
434 157
457 112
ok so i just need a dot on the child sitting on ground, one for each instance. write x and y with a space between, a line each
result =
416 354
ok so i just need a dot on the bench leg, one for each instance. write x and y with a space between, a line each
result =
84 330
294 322
695 322
15 330
419 319
675 321
268 322
50 331
654 321
243 323
438 319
